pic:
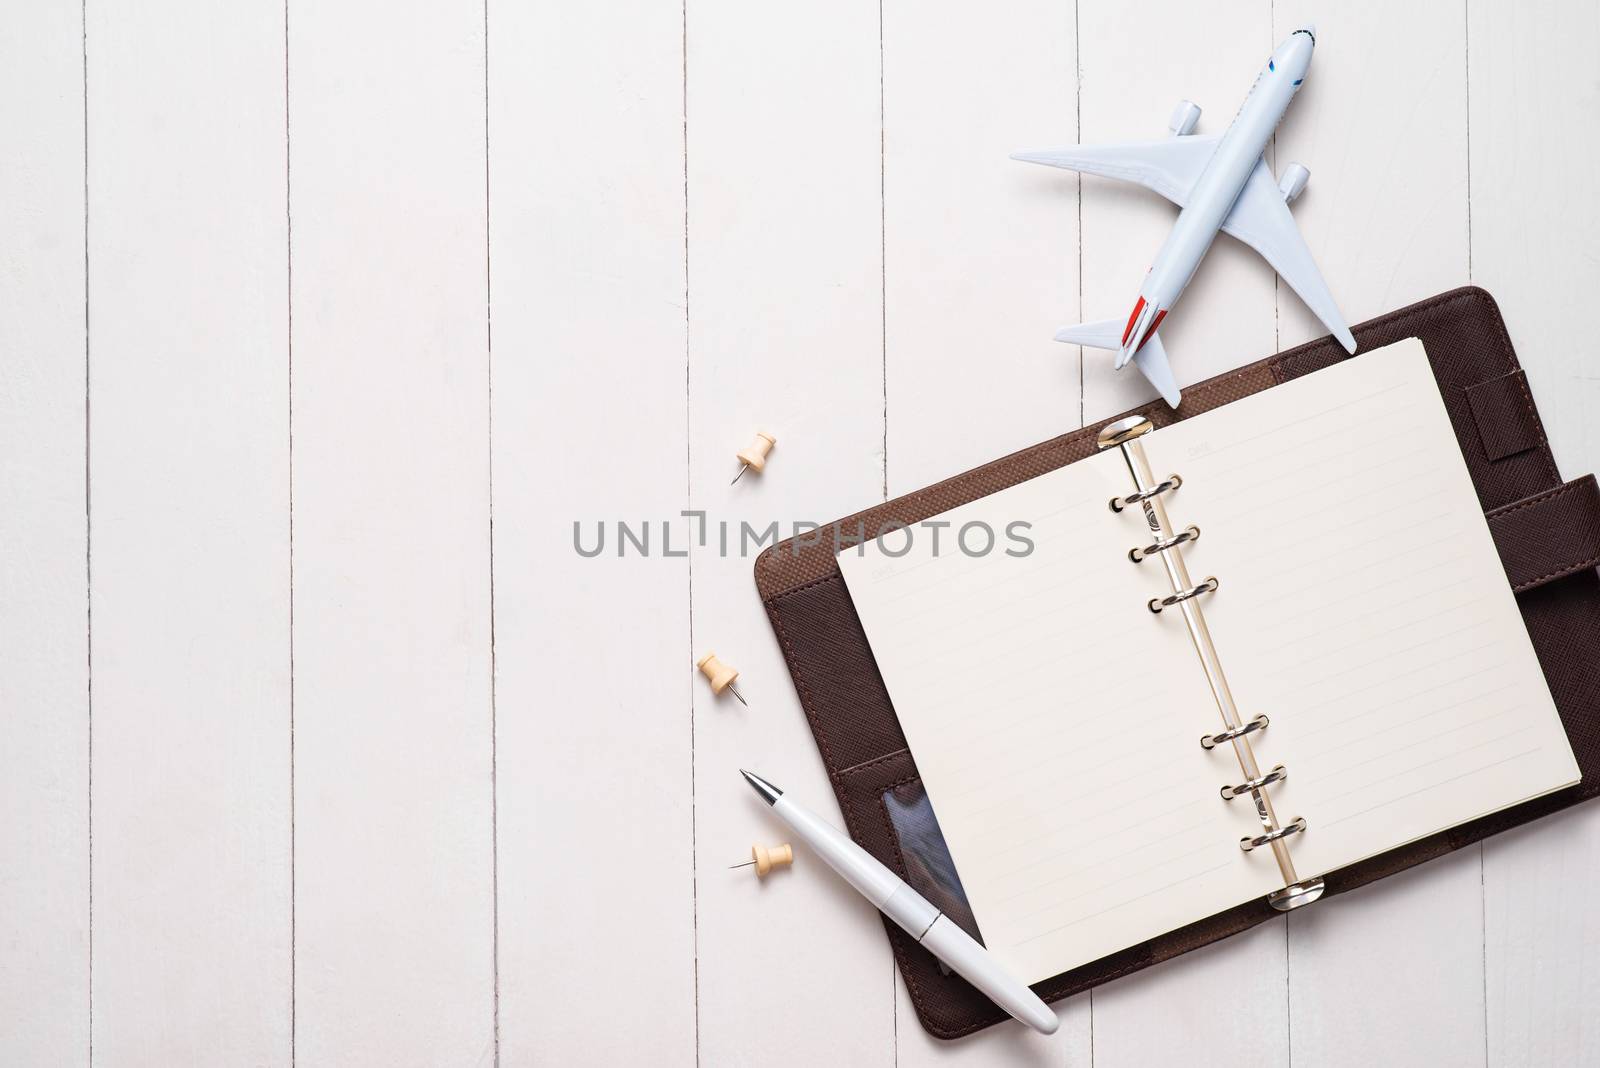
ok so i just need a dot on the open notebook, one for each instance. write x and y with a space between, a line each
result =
1055 720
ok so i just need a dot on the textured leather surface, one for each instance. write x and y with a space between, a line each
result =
1549 535
1503 411
1546 533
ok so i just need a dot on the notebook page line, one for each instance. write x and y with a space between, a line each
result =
1444 782
1126 902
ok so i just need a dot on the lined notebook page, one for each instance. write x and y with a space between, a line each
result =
1055 720
1364 608
1054 724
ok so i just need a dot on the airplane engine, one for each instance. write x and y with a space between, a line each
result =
1292 182
1184 117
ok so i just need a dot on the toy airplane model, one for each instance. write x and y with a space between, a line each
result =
1220 183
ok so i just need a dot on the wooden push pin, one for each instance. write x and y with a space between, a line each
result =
765 859
721 676
754 456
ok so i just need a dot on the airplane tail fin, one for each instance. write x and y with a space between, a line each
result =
1151 359
1105 334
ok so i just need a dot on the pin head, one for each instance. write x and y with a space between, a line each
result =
754 456
720 675
765 859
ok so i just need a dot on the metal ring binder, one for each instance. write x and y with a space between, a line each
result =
1277 774
1190 534
1208 586
1125 434
1211 741
1171 482
1274 835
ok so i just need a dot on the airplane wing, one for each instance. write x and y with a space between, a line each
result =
1169 166
1260 218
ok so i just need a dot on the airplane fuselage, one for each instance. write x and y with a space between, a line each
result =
1218 187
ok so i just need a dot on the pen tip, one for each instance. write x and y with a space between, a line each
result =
768 792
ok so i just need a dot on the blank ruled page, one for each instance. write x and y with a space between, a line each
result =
1362 607
1054 724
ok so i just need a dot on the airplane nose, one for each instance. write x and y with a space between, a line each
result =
1310 30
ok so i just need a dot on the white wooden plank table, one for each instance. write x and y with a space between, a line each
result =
394 804
44 587
190 841
330 333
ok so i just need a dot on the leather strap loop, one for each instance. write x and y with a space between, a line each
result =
1503 412
1549 535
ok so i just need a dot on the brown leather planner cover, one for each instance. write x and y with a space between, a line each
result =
1547 532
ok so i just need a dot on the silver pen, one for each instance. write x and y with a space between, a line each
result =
891 896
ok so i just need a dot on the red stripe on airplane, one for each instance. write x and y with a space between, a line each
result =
1154 326
1137 308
